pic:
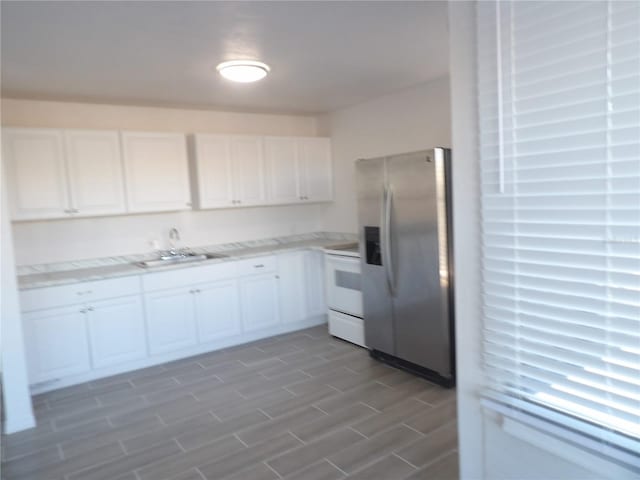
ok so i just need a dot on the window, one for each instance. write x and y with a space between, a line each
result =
559 113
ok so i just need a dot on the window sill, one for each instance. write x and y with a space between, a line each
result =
566 443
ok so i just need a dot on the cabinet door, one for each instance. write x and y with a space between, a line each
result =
259 301
171 323
157 177
281 158
291 287
315 284
248 170
214 171
315 167
95 172
37 177
116 331
56 343
218 310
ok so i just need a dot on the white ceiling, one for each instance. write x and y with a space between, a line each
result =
323 55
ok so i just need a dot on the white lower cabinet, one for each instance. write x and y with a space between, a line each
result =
87 330
116 331
291 286
56 341
301 285
259 301
171 322
314 282
218 310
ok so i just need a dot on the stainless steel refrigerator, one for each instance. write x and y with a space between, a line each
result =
404 210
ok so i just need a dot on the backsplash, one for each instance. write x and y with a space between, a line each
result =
56 241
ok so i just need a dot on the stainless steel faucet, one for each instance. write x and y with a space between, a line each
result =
174 235
174 238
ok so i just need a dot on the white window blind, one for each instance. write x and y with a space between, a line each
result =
559 116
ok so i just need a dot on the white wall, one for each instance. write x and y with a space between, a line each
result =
414 119
471 443
487 451
15 382
60 240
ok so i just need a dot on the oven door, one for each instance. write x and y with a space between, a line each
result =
344 292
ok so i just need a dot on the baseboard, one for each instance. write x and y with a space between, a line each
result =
13 424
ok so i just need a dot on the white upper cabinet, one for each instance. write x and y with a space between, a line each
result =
214 171
242 171
298 169
56 174
314 160
281 157
37 176
71 173
94 164
248 170
156 171
229 171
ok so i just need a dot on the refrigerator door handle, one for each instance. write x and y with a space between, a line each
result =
386 238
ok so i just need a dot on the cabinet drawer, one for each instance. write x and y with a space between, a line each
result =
182 277
257 265
41 298
346 327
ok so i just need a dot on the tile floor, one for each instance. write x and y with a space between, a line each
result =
301 406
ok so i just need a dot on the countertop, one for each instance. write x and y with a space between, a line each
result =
345 250
47 275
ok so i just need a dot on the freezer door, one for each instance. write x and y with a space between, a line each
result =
376 300
419 259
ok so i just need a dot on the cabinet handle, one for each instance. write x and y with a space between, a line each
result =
260 265
83 310
75 210
84 292
198 290
277 277
90 309
67 210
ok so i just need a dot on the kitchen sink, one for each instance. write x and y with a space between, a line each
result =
178 258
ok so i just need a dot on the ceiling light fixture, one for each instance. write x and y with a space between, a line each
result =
244 71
